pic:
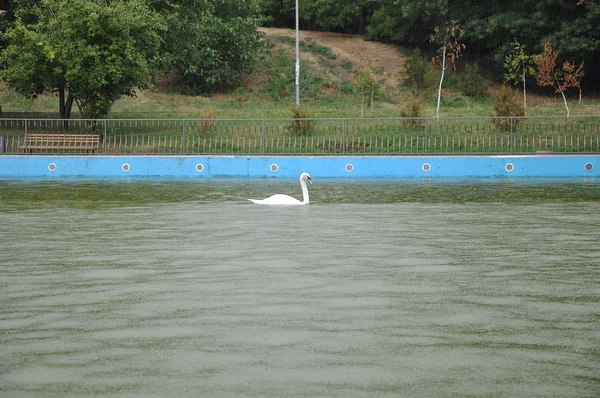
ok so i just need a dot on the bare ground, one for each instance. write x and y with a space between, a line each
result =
385 61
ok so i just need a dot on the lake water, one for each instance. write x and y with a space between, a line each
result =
379 288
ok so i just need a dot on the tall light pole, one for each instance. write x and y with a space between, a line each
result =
297 61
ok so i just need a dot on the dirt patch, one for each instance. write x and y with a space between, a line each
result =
384 60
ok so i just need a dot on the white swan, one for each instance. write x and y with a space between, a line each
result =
285 199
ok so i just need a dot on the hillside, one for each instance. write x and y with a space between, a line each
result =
383 60
328 87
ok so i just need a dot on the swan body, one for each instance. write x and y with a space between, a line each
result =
286 200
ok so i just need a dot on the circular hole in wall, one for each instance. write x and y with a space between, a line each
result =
52 167
274 168
199 167
588 166
509 167
426 167
126 167
349 168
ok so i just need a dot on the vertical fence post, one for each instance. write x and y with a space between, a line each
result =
25 137
262 136
510 140
183 136
344 127
105 136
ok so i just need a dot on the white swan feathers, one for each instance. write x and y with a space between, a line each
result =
285 199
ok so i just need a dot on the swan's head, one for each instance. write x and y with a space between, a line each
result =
306 177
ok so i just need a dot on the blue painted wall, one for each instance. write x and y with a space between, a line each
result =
324 167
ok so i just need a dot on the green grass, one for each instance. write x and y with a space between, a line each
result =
154 103
308 45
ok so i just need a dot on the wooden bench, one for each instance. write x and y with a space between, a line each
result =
61 142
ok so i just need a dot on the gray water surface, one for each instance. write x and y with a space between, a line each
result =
389 288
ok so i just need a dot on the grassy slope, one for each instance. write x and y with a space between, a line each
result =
328 64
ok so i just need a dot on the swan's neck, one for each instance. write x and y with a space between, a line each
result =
304 192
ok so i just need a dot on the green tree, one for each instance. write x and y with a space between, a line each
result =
331 14
349 15
491 25
472 84
367 88
408 21
90 52
519 66
415 68
508 109
211 43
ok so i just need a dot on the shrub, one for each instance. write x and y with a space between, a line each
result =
303 123
412 110
507 102
207 121
431 77
416 67
472 84
367 88
457 101
281 83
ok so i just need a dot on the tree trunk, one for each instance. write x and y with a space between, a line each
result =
565 100
524 91
68 106
64 106
61 102
362 106
372 98
437 111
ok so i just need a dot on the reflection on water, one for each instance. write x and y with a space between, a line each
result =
135 192
399 288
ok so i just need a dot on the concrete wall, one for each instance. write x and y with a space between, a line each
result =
282 166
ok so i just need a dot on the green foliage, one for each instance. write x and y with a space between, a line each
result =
309 45
321 14
491 25
415 67
431 77
312 46
211 43
518 67
302 123
472 84
507 103
282 81
367 89
412 110
346 64
410 21
457 101
85 50
346 87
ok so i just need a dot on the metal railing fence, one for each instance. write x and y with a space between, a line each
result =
390 136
